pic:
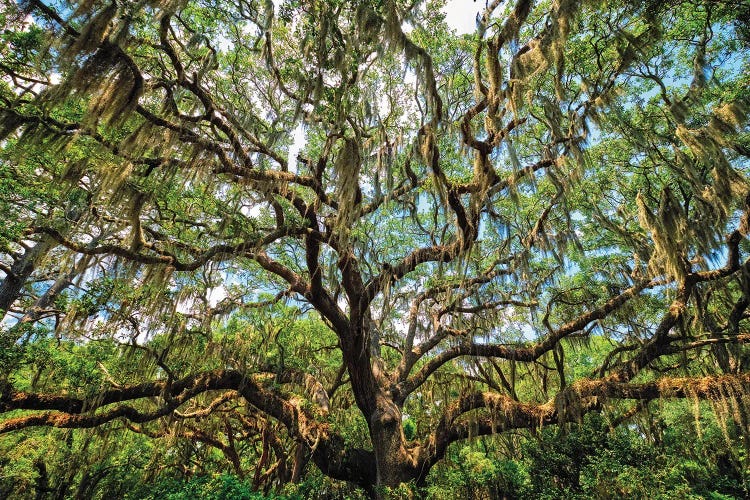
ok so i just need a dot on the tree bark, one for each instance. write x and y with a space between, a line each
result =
395 464
20 271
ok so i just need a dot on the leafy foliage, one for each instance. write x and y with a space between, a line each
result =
274 246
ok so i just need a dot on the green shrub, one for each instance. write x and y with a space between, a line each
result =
220 487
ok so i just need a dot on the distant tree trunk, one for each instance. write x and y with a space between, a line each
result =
20 271
48 298
85 486
42 481
301 458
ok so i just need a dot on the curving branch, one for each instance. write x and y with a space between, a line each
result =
328 448
217 252
503 413
518 353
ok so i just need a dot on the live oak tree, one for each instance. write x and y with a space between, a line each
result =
450 215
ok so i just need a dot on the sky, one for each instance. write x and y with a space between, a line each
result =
461 15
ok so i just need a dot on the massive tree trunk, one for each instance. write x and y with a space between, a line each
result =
394 462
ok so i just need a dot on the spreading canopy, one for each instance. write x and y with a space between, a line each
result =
309 205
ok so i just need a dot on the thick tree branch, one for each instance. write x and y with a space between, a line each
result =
329 450
517 353
503 413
